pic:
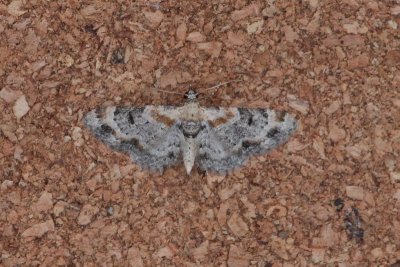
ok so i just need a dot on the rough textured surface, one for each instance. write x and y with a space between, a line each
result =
68 200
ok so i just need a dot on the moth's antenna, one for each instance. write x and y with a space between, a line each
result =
214 87
169 92
217 86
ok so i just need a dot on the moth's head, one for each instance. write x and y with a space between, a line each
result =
191 95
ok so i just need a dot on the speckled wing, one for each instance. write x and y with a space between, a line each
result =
232 135
149 134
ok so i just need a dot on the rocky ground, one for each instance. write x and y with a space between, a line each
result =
329 197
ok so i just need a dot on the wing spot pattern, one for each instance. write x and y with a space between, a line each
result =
130 118
221 120
162 118
250 121
133 142
106 129
273 132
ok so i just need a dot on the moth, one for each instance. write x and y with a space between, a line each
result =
215 139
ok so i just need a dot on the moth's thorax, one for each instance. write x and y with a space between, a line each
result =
191 111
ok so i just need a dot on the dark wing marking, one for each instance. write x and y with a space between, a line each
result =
246 132
150 135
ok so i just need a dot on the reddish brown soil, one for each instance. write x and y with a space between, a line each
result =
68 200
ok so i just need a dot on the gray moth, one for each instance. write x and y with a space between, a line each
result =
214 139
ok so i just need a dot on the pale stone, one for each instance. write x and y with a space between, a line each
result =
154 18
134 258
20 107
235 38
181 32
14 8
255 27
39 229
165 252
290 34
195 37
59 208
355 192
248 11
211 48
6 184
237 257
44 203
65 60
377 253
9 95
201 252
395 10
333 107
351 27
336 133
86 214
237 225
395 177
300 105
